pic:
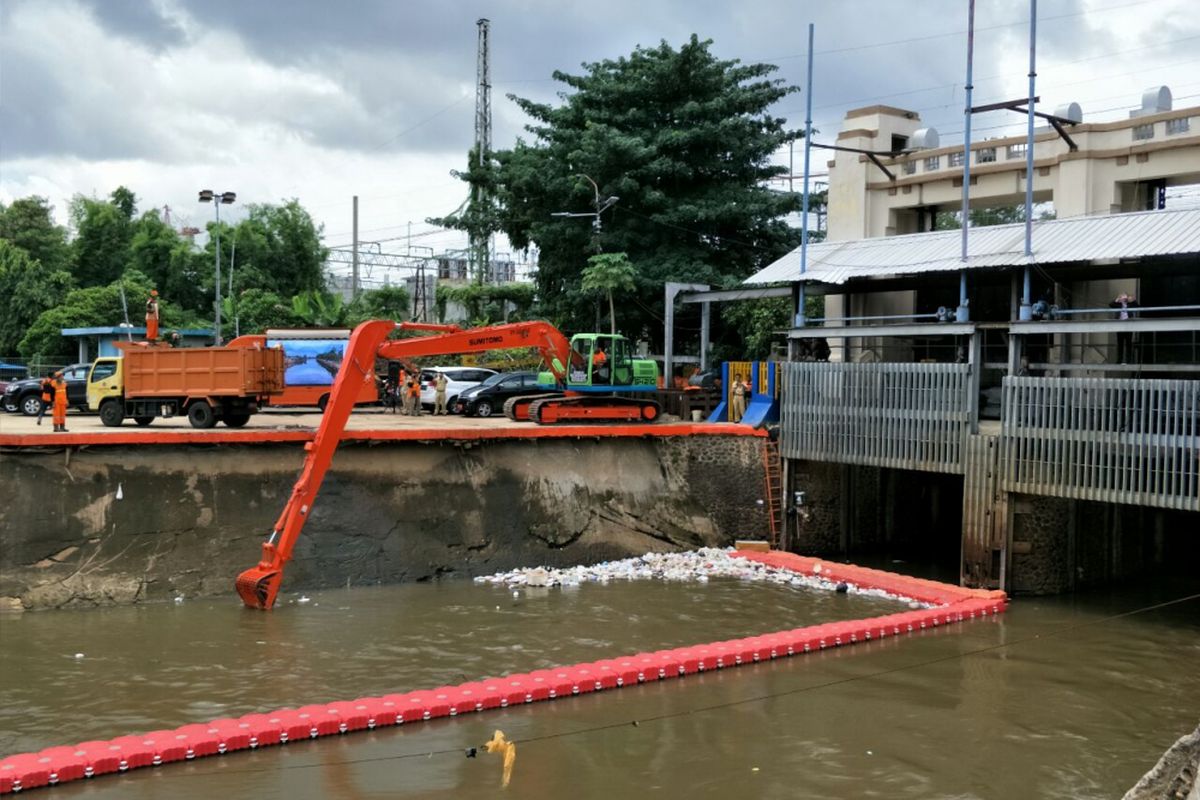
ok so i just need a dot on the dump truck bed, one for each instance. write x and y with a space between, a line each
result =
202 371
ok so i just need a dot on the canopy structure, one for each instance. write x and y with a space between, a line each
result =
1080 239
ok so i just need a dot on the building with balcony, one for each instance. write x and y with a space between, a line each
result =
1049 436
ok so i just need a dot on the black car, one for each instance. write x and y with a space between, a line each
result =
26 395
488 397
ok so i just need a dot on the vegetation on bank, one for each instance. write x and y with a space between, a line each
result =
670 147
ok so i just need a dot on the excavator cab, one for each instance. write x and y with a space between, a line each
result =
600 362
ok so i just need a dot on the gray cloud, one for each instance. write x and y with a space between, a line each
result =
377 76
142 21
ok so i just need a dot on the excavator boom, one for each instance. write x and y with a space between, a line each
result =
259 585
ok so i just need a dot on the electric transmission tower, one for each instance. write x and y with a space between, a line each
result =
480 240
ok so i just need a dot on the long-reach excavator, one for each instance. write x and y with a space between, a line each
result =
580 383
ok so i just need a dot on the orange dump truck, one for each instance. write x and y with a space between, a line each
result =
209 384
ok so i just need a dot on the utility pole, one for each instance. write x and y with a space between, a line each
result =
354 262
963 313
480 241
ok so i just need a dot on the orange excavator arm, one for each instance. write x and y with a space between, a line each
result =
259 585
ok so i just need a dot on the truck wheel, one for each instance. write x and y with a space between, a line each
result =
324 401
236 420
201 414
112 414
143 421
31 405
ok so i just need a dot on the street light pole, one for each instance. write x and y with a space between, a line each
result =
600 205
217 199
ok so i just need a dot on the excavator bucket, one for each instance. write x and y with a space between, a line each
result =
258 586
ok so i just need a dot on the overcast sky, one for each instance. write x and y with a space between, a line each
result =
321 100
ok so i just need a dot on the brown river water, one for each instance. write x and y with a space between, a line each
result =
1057 698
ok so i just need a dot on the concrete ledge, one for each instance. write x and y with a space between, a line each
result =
143 436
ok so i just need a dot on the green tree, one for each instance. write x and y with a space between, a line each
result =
92 306
607 273
28 288
29 224
321 310
173 265
256 310
100 251
485 303
684 140
389 302
278 248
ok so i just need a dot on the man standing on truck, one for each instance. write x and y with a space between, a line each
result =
47 397
152 316
60 403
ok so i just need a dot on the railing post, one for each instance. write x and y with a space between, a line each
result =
974 380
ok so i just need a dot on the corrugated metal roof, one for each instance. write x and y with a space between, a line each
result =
1134 235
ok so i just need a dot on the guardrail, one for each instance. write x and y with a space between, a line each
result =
906 416
1105 439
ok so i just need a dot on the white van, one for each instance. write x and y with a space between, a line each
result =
458 380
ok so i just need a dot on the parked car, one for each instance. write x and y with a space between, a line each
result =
26 395
459 379
10 373
488 397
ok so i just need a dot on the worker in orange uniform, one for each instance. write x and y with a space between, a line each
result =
47 397
414 395
60 403
152 316
599 365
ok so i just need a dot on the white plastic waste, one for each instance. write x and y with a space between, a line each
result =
697 566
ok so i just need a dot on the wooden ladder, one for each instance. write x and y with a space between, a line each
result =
774 488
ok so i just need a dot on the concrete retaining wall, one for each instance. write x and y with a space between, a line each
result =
190 518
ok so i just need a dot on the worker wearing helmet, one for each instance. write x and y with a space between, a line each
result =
60 403
152 316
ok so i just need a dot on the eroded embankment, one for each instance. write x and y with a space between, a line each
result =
108 525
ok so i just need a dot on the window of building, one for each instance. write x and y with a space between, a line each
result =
452 268
899 142
1175 126
1015 151
985 155
1143 132
933 163
955 159
910 167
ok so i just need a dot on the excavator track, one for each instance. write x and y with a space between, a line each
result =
583 409
517 408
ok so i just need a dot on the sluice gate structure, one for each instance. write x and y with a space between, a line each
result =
1028 393
1123 441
